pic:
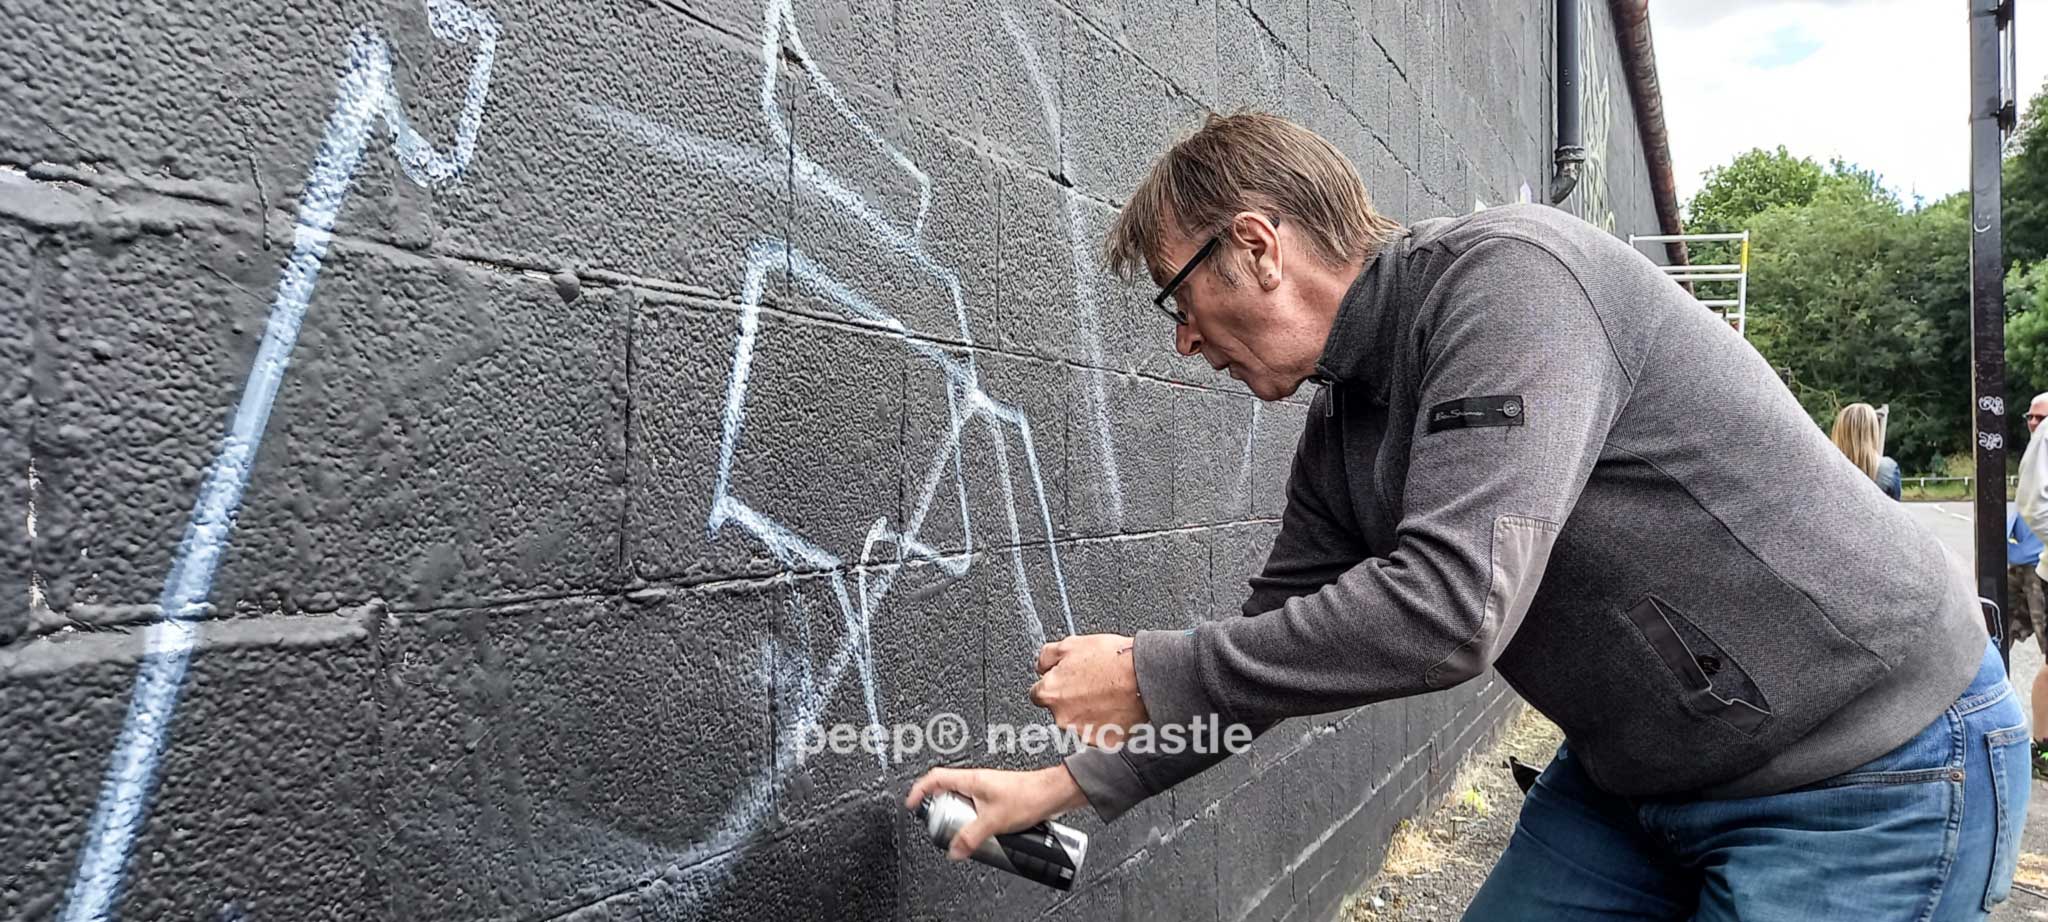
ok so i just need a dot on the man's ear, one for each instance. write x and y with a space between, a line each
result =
1260 240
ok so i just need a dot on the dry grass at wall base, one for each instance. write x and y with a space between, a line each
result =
1436 862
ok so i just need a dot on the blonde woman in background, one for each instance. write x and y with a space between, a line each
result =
1858 433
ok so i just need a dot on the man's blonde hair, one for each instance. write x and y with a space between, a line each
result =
1250 161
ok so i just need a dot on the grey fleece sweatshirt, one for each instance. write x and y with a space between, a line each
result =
1533 452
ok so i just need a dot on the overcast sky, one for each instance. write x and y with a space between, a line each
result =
1882 83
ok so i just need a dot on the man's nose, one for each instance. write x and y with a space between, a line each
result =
1185 340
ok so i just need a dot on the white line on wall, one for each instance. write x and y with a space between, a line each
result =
37 599
1244 467
1084 288
364 95
804 685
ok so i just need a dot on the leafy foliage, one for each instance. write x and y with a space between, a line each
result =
2026 335
1757 180
1855 295
2025 198
1861 299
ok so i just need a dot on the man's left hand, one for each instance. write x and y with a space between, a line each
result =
1090 684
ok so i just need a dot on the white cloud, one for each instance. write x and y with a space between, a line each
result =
1887 88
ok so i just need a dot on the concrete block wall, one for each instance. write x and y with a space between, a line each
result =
535 416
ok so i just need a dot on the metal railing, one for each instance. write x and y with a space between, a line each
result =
1921 483
1737 272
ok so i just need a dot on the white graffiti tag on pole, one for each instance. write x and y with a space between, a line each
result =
364 97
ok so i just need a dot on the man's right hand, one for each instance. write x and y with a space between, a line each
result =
1004 801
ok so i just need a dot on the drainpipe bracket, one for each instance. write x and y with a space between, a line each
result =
1562 182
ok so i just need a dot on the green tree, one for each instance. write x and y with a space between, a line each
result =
2025 183
2026 342
1756 180
1865 300
1860 297
1847 180
2025 204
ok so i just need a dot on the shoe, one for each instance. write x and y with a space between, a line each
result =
2040 760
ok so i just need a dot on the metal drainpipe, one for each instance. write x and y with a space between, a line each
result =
1570 151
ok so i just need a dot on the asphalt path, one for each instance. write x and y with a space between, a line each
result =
1952 523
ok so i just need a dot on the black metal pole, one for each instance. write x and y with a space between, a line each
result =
1987 303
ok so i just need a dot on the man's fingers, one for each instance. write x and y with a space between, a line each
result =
1038 694
919 790
971 836
934 781
1049 656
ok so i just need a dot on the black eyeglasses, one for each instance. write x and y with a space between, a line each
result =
2036 417
1180 317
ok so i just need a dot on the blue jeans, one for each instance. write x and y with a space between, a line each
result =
1929 831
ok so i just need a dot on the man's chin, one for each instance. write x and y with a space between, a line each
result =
1272 393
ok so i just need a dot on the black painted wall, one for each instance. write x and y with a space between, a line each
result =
673 377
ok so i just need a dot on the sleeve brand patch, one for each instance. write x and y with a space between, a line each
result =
1475 412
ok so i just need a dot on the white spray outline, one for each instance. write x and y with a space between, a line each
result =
37 600
363 94
966 401
1084 289
1244 465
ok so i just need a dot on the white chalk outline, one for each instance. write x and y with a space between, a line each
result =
364 94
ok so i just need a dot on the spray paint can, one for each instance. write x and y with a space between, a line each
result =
1047 853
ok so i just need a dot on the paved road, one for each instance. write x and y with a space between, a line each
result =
1952 521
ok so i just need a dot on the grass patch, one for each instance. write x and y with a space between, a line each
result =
1941 491
1412 851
